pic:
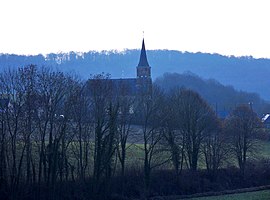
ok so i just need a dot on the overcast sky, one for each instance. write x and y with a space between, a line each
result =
228 27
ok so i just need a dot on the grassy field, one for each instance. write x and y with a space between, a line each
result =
265 149
259 195
135 155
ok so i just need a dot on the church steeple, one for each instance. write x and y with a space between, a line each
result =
143 58
143 68
144 81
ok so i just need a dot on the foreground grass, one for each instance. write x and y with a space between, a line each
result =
258 195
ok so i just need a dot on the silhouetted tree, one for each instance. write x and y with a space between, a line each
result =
28 77
150 115
126 104
196 122
240 127
174 138
215 148
10 84
105 110
81 128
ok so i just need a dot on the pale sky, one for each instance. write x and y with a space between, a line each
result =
228 27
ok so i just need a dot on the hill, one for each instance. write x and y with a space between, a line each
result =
222 98
243 73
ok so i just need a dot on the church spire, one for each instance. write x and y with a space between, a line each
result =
144 81
143 58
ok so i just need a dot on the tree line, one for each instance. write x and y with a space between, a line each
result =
56 128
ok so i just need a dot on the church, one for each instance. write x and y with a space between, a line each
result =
141 85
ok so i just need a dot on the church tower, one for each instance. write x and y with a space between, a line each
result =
144 80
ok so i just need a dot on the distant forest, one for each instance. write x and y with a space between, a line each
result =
222 99
243 73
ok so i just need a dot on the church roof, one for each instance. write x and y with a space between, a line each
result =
3 104
143 58
123 87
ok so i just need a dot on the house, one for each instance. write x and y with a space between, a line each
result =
266 121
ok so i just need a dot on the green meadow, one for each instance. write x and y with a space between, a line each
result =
258 195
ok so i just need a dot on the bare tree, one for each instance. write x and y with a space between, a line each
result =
150 115
81 127
174 138
195 119
215 148
52 89
4 101
28 77
126 115
105 110
241 126
11 88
